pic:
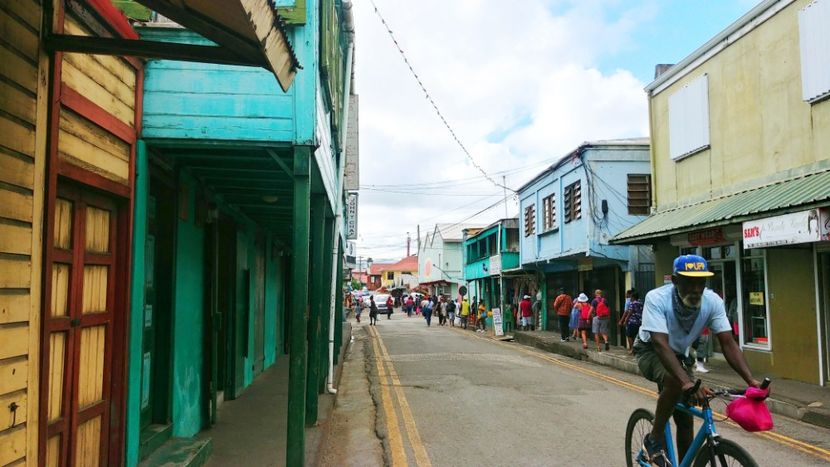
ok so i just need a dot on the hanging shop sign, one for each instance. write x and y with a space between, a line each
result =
498 325
799 227
824 218
707 237
495 265
351 217
350 255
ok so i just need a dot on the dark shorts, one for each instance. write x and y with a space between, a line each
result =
584 324
631 330
650 365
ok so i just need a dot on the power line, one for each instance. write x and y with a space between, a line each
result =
434 105
462 181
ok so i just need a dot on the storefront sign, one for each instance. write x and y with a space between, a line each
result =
584 264
824 217
756 298
498 325
350 256
495 265
707 237
351 217
800 227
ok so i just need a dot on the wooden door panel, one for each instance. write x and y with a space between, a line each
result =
60 289
57 369
97 230
63 224
88 443
91 366
95 289
53 451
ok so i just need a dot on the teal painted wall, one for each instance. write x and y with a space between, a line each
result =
136 324
188 321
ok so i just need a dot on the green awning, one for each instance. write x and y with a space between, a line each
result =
797 194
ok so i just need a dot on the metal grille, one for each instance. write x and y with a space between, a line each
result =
644 278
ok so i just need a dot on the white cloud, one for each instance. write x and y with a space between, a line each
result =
531 65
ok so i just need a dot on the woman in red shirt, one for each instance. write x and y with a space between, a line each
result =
584 317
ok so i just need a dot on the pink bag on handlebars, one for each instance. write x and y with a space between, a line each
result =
750 411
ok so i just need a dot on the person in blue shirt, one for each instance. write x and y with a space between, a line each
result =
674 316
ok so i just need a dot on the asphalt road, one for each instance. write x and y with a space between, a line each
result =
447 397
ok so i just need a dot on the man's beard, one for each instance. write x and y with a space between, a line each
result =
691 300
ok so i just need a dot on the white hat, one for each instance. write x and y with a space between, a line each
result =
582 298
527 296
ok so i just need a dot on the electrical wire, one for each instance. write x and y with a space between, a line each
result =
432 102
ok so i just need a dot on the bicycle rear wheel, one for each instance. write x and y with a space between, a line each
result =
727 454
639 425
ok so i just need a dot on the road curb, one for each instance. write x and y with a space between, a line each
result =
817 417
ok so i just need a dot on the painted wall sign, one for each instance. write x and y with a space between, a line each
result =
498 325
350 256
707 237
799 227
756 298
824 217
145 380
351 217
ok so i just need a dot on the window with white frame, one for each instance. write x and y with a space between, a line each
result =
814 36
549 213
754 291
530 220
689 118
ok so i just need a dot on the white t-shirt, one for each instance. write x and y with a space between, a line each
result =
658 316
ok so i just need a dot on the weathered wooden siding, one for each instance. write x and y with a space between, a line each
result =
185 100
23 102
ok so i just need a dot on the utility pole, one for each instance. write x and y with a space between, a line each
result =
419 238
408 242
504 185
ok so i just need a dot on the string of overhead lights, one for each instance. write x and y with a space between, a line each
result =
434 105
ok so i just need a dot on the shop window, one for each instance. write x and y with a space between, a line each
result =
530 220
756 314
390 275
549 212
639 194
572 202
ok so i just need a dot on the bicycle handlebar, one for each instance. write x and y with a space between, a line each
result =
687 395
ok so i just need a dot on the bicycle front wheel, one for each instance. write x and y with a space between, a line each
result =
727 454
639 425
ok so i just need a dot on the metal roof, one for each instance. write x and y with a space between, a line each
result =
795 194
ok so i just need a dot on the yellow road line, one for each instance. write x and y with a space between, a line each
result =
816 451
421 456
395 441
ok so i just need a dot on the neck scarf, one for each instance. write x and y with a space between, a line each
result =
686 316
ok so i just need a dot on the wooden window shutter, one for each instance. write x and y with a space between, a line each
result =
639 194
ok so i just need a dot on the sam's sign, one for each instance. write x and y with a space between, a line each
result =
800 227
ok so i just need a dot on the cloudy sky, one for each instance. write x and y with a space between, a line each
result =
522 83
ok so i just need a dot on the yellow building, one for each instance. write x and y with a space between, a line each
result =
404 273
740 132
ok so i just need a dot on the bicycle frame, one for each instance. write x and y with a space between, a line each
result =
705 432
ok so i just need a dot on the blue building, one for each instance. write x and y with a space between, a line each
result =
569 212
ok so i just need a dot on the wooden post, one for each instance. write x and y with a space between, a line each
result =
325 308
295 447
318 225
338 307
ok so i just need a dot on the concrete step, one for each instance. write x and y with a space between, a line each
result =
180 452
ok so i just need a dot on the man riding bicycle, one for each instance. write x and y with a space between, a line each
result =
674 316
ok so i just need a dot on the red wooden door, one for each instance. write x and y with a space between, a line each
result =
78 330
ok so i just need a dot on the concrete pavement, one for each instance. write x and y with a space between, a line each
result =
449 397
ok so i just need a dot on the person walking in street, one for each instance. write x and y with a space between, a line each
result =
373 311
362 304
563 304
442 317
584 318
573 324
451 312
526 310
410 304
602 319
390 305
426 310
481 320
465 312
703 350
632 318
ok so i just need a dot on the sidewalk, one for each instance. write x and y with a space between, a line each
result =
808 403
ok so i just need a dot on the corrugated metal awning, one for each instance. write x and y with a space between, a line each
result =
251 29
796 194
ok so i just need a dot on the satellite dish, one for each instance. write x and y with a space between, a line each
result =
462 290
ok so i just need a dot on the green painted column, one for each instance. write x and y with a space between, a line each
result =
318 226
338 308
325 309
295 447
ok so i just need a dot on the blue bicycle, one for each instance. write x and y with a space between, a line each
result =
707 449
